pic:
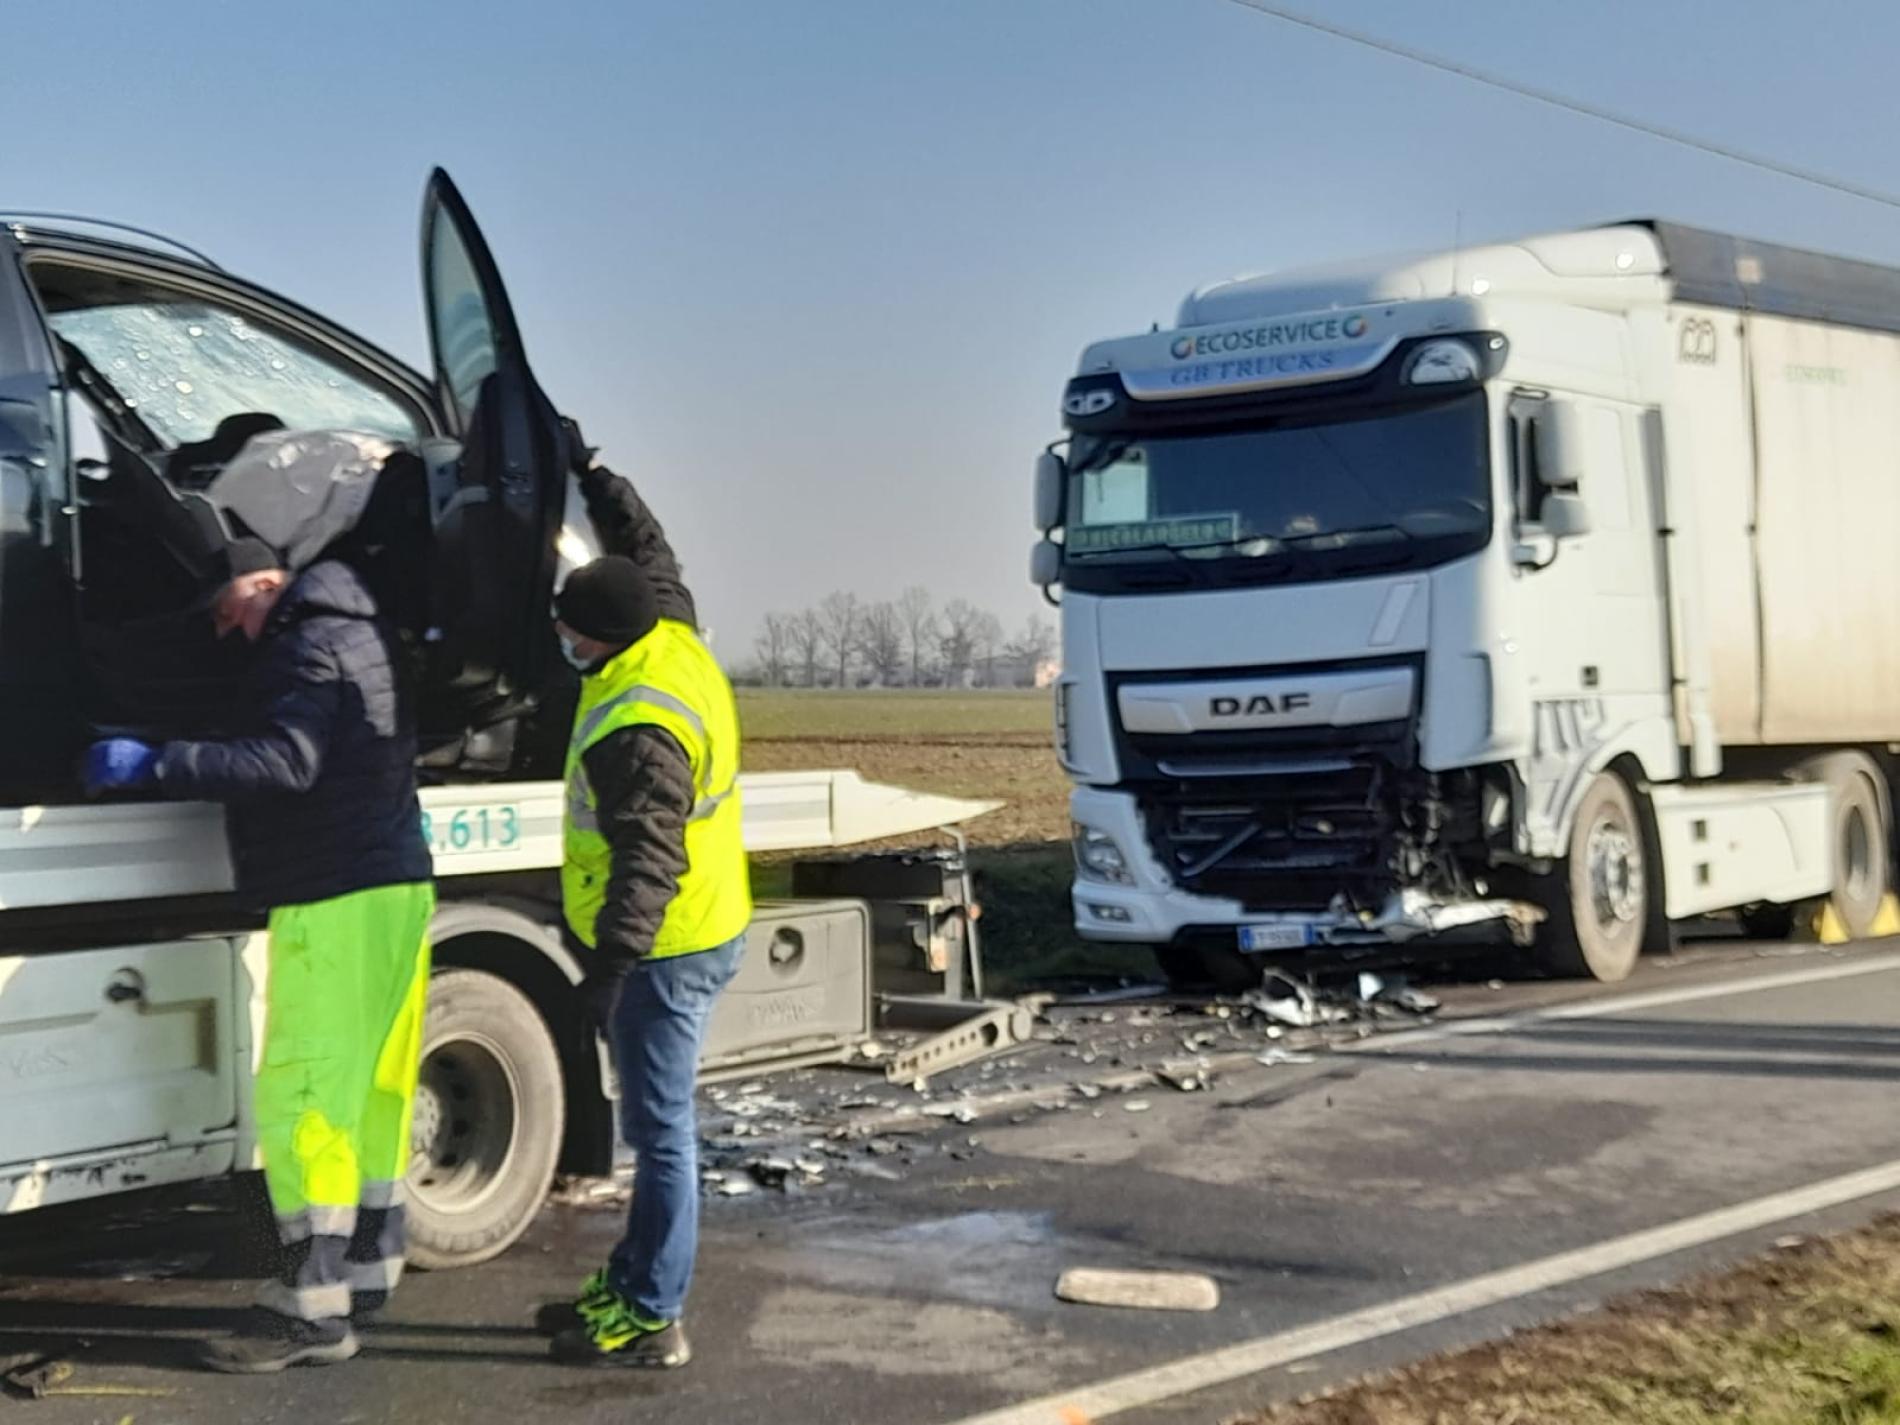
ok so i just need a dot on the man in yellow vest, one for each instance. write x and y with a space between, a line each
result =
656 892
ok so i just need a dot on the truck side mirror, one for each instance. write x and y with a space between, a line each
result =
1052 474
1559 434
1565 515
1045 564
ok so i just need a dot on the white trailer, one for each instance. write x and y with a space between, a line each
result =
1545 587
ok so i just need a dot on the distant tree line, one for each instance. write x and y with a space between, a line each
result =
906 642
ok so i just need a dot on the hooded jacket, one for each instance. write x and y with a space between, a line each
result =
321 777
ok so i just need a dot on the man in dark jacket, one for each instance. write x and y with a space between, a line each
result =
326 834
657 899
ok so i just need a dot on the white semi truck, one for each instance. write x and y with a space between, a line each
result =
131 979
1545 590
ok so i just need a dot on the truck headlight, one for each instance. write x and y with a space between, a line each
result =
1442 363
1098 856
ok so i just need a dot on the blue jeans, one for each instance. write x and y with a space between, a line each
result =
659 1025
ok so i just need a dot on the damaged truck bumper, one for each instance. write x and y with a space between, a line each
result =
1122 893
1123 913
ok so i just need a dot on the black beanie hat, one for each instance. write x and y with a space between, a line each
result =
609 601
250 556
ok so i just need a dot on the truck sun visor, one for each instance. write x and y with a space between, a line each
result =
301 490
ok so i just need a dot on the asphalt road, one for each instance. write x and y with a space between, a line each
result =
1533 1119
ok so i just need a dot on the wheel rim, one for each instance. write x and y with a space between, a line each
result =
466 1125
1857 853
1616 874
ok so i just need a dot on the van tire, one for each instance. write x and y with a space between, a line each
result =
1863 844
1605 902
490 1114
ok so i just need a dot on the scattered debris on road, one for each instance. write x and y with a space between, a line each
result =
1146 1291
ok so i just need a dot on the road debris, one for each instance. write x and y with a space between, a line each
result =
52 1376
1146 1291
1273 1058
1137 1105
1188 1080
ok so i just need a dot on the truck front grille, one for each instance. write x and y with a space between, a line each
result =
1293 842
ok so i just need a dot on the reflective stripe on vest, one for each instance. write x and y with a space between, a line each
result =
668 680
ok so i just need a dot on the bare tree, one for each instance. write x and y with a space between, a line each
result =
839 619
918 612
807 634
956 639
774 648
881 643
1034 645
986 643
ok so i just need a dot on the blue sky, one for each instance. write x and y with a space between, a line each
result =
813 274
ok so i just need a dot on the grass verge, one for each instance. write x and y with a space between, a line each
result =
1809 1335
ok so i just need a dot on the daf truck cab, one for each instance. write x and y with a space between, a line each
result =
1540 592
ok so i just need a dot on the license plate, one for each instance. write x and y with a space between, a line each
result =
1275 937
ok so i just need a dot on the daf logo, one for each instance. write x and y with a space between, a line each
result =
1260 705
1088 403
1695 344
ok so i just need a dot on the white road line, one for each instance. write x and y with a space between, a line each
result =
1634 1003
1230 1363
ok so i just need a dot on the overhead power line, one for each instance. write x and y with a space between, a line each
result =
1574 106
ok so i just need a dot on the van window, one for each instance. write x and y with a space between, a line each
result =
183 363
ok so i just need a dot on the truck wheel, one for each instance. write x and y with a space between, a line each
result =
1606 903
490 1111
1861 849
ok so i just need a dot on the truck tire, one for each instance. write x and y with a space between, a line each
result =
1605 904
490 1112
1862 846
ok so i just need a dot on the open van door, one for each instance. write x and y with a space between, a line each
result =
498 509
39 669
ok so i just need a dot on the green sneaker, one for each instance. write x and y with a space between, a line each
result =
596 1296
621 1336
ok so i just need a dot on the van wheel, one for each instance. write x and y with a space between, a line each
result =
490 1111
1862 856
1605 904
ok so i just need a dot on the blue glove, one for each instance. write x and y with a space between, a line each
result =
120 764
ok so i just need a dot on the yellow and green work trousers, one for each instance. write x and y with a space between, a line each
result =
342 1041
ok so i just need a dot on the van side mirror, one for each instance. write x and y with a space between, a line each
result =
1052 474
1559 434
1045 564
1565 515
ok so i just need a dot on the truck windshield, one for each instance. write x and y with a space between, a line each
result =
1394 485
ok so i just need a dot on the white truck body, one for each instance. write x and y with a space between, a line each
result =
1285 731
131 1064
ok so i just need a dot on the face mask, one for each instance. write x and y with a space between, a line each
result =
573 657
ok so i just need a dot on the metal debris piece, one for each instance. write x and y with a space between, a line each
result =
960 1032
1147 1291
1186 1080
1272 1058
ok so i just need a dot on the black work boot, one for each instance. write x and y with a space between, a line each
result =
619 1336
268 1342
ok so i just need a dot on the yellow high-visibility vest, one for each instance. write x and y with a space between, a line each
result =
669 680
